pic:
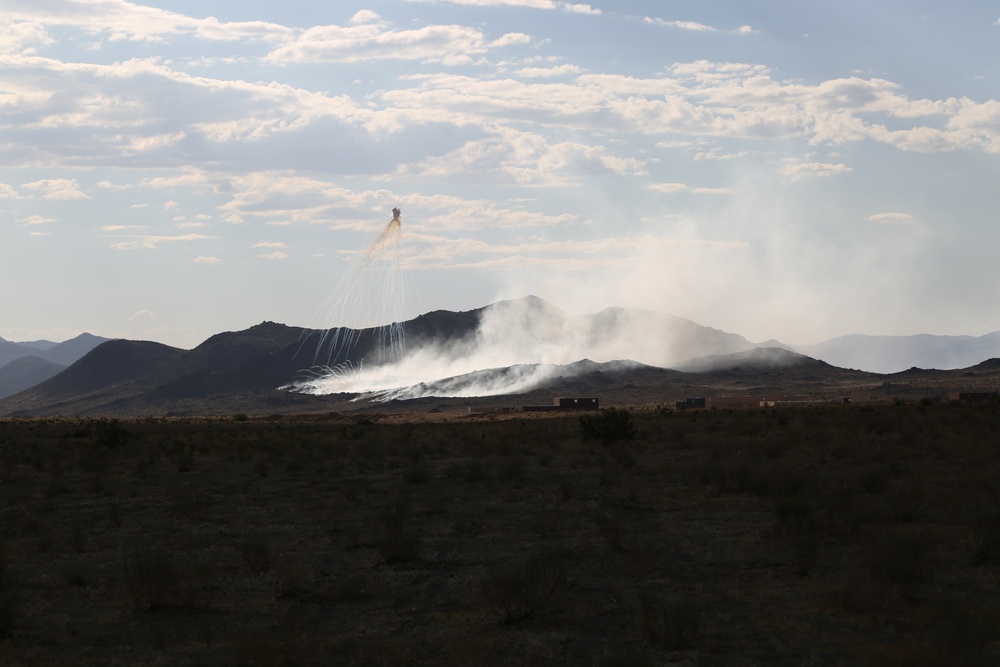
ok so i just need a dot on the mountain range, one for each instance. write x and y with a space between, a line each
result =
467 355
25 364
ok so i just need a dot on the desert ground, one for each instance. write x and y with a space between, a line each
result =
795 535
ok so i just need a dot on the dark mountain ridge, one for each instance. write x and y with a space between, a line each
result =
240 371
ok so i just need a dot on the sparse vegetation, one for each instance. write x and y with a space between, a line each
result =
726 537
608 426
517 591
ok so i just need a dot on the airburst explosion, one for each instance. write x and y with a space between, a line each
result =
365 313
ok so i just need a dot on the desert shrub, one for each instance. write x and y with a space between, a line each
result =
477 470
612 530
397 544
518 591
908 504
399 547
10 599
111 434
669 622
150 576
75 575
190 504
416 473
608 426
901 556
257 553
794 519
986 537
864 595
961 631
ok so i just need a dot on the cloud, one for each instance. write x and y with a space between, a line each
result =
35 220
668 187
363 42
118 228
891 218
799 170
671 188
542 72
274 256
683 25
578 8
22 36
7 191
713 156
142 314
57 188
365 16
206 259
119 20
152 242
269 244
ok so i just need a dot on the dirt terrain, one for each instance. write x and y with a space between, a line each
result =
801 535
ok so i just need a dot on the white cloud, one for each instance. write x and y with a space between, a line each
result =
22 36
798 170
141 314
119 20
578 8
543 72
365 16
206 259
35 220
152 241
683 25
118 228
57 188
7 191
713 156
511 39
447 44
269 244
891 218
668 187
277 255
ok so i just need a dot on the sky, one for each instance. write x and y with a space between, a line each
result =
778 169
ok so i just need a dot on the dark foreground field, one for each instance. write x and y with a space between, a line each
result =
839 535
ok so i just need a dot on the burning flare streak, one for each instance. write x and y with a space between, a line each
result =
369 296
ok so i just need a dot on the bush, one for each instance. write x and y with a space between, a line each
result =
517 592
901 557
794 520
668 622
608 426
257 553
10 601
149 574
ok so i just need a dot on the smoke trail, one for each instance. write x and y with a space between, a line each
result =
369 298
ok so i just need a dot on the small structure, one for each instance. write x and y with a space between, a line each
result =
588 403
973 396
561 403
690 403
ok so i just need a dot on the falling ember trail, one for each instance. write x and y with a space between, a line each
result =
367 301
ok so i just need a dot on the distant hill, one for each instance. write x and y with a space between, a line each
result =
25 372
64 353
523 347
890 354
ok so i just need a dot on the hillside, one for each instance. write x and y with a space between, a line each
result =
520 351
